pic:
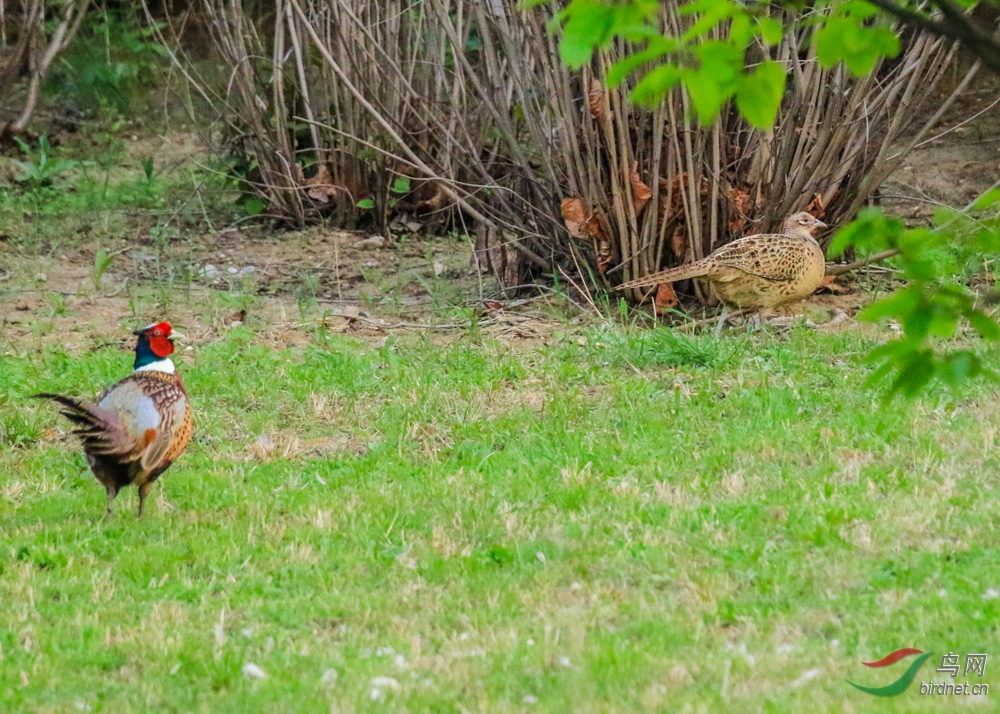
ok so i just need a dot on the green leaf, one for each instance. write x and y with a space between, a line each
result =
896 305
958 367
366 203
401 185
652 88
859 9
984 325
915 373
758 95
712 13
830 39
657 48
846 38
587 25
254 206
706 95
874 44
871 230
715 80
740 30
987 199
770 30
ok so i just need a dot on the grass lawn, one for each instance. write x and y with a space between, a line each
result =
604 520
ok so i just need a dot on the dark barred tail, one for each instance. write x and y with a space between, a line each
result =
79 413
672 275
96 427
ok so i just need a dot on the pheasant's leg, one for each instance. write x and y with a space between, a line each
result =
112 493
722 320
143 492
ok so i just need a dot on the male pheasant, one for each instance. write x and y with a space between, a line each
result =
140 425
759 271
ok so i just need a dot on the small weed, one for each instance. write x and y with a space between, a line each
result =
19 427
306 294
39 169
147 169
58 303
102 261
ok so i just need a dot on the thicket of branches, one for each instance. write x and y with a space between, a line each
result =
332 101
32 34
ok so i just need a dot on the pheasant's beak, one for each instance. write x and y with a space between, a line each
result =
820 224
175 335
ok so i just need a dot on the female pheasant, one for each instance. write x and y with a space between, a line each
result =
140 425
757 272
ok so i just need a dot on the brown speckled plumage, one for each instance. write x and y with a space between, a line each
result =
758 271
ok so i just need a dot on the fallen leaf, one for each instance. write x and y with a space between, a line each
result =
831 286
665 296
596 99
438 268
321 187
582 222
679 240
233 318
599 230
739 202
817 206
640 191
576 213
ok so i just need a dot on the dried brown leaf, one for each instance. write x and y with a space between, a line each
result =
576 213
831 286
600 231
817 206
665 296
640 191
596 99
321 187
679 241
739 202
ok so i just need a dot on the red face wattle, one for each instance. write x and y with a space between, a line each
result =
158 339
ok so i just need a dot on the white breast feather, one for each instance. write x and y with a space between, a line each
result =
162 365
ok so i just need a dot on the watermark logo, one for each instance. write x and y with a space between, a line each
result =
974 664
900 685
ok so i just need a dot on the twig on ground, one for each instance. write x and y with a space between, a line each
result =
118 291
688 326
874 258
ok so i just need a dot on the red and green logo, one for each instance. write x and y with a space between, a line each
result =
900 685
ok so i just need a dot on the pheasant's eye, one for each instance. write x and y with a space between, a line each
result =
156 333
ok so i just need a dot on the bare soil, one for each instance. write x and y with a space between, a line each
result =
369 285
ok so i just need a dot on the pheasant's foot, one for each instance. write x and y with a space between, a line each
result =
143 492
752 321
722 320
782 321
112 493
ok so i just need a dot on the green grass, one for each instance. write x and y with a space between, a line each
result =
616 521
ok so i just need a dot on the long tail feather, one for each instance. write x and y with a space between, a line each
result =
671 275
96 427
84 415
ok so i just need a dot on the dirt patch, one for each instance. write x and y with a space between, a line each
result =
367 285
957 161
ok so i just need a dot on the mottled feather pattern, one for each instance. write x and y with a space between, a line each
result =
164 394
758 271
768 256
